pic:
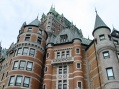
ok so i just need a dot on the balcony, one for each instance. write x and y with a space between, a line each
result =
62 60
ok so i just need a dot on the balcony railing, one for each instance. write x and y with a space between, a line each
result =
62 60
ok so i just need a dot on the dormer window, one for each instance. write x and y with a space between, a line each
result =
63 38
102 37
117 33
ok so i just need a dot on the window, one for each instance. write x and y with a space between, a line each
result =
78 65
106 54
15 65
115 42
3 86
109 37
19 51
6 74
29 66
79 85
2 76
39 40
117 33
102 37
22 65
58 54
40 31
32 52
62 84
77 51
63 38
29 29
47 55
67 54
46 69
26 81
11 82
43 86
27 38
18 80
110 73
63 54
63 69
25 51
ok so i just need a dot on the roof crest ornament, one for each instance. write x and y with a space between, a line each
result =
95 10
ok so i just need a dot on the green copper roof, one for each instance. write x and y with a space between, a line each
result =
36 22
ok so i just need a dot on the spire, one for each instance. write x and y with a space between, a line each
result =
99 23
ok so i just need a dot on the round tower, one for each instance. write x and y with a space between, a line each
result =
106 54
27 64
49 26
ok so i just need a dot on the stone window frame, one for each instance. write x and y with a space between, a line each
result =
27 37
46 69
25 65
29 29
77 50
3 75
44 86
112 72
3 86
47 55
22 81
78 84
62 83
102 37
39 40
106 52
28 51
78 65
24 50
115 42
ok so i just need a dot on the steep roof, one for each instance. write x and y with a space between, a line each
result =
35 22
99 23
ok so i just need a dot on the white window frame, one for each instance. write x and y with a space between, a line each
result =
77 84
76 50
77 65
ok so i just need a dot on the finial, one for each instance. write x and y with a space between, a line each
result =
37 16
96 11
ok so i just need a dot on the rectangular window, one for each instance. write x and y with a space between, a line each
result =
29 66
32 52
2 76
11 81
40 31
115 42
58 54
63 54
29 29
78 65
16 63
26 81
22 65
77 51
19 51
43 86
106 54
3 86
67 54
79 85
39 40
27 38
110 73
25 51
47 55
46 69
102 37
18 80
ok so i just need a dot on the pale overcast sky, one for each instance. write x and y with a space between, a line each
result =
81 12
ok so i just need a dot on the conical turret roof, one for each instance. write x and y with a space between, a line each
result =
99 23
35 22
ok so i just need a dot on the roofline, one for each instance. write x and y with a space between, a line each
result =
89 45
100 27
31 25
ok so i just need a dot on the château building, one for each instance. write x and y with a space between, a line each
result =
53 54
